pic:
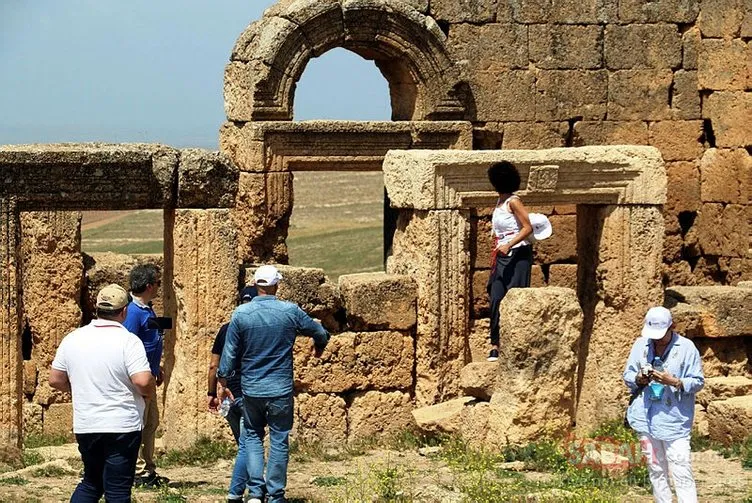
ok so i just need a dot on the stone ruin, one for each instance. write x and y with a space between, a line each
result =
555 87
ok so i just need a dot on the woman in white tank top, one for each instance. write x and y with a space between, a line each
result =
512 256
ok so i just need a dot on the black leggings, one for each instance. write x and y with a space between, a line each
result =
510 271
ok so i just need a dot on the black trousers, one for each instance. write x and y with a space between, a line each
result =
510 271
109 466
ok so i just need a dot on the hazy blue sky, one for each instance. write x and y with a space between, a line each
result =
148 70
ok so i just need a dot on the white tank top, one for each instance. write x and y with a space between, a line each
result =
505 224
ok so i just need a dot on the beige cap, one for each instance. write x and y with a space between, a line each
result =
112 298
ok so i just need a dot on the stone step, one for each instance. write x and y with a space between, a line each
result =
730 420
711 311
479 379
721 388
445 417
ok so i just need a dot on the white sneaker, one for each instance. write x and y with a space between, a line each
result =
255 500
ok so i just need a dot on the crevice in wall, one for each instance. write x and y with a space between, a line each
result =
26 341
444 26
671 94
692 261
569 139
484 139
686 221
708 135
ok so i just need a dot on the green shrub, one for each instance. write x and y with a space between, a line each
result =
31 458
203 452
44 440
328 481
14 481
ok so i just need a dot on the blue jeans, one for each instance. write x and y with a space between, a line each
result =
239 479
277 413
109 466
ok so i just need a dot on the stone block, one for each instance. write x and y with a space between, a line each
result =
33 419
463 11
30 377
722 388
724 65
721 18
723 230
504 95
610 133
321 418
726 176
560 12
206 179
672 248
665 11
700 426
536 392
535 135
562 47
562 245
683 187
691 40
478 340
729 356
642 46
355 361
730 420
563 275
489 47
639 94
729 115
480 300
685 100
58 419
564 94
677 273
244 147
479 379
378 301
677 140
723 310
475 424
375 413
442 418
481 243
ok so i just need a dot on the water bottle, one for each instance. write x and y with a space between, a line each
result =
224 407
656 388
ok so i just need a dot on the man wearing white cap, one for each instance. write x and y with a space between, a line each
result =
260 340
664 372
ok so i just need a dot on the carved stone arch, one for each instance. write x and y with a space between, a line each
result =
407 46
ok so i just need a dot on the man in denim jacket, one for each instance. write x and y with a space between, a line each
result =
664 405
260 341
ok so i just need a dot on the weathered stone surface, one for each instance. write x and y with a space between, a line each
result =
677 140
89 175
666 11
536 395
691 40
672 248
445 417
559 12
723 230
721 388
206 180
517 103
474 420
730 420
721 18
202 295
58 419
535 135
480 300
479 379
321 418
378 301
563 275
723 65
262 216
639 94
726 176
729 114
50 241
685 100
562 245
564 94
478 339
684 187
489 47
729 356
700 426
30 377
463 11
355 361
562 47
720 311
33 419
610 133
642 46
375 413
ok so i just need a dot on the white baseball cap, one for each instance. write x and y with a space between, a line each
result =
542 228
657 322
267 275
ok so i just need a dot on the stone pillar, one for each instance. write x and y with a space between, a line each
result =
203 291
432 247
52 280
619 279
11 378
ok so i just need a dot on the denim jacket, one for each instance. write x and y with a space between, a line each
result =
260 337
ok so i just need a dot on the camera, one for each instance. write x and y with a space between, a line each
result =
646 369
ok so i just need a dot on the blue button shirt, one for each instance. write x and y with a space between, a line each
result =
671 417
137 322
260 337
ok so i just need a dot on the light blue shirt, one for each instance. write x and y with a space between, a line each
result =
671 417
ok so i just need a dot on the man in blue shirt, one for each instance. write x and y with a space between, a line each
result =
145 280
260 339
664 403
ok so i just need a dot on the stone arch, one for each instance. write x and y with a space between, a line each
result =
407 46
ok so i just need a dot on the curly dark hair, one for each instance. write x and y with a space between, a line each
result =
142 276
504 177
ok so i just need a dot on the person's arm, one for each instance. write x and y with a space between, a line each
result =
227 362
145 383
211 385
59 380
632 375
526 228
308 326
138 367
692 379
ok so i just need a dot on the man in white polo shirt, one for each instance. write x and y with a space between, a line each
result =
105 368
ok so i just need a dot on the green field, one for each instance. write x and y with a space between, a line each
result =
336 224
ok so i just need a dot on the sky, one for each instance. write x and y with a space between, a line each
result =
148 71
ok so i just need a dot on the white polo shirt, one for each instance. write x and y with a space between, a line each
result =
100 359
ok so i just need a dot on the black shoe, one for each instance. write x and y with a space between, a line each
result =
493 355
151 480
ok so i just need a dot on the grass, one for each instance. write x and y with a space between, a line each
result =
328 481
131 233
14 481
31 458
44 440
204 452
306 452
51 471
